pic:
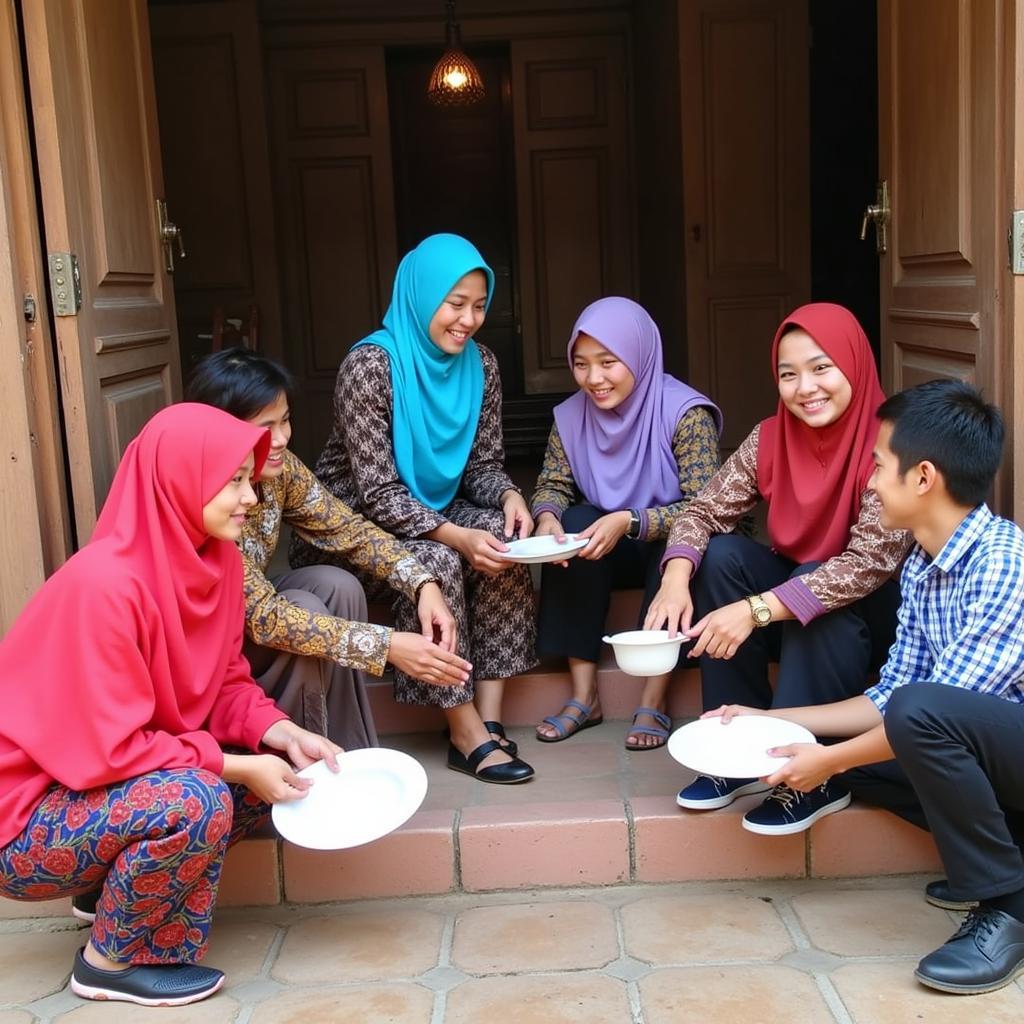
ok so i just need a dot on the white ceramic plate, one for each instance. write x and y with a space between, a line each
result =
531 550
376 790
736 750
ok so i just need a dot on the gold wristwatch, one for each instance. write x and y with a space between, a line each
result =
759 610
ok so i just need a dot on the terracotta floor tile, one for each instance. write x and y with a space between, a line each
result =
732 995
581 756
873 922
371 944
703 929
509 939
889 994
220 1009
15 1017
239 948
363 1004
34 964
559 999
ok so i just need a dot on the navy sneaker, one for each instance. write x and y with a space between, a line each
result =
708 792
786 811
146 984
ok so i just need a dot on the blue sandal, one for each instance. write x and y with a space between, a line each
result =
575 722
660 731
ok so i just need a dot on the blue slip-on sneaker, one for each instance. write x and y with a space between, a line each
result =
146 984
709 792
786 811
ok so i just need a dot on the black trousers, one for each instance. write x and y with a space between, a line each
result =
827 660
958 772
574 600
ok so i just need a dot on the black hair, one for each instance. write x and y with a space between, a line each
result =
948 423
239 381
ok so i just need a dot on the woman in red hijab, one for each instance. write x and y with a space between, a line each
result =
820 600
123 686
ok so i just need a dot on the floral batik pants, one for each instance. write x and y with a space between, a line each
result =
155 843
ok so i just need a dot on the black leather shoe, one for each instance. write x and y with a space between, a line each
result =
986 953
146 984
497 729
83 905
502 774
938 895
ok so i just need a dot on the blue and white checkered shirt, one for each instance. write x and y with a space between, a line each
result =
961 620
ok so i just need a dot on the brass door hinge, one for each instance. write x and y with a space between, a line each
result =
65 283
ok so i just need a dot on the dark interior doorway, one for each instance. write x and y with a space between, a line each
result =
844 155
454 171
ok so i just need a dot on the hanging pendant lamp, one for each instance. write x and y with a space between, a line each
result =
455 80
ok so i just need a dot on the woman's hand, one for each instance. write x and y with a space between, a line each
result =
672 607
720 633
549 525
604 535
436 617
270 777
301 746
422 659
518 520
482 550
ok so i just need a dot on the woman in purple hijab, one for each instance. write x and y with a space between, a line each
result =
625 455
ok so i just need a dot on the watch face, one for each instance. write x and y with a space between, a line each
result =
763 615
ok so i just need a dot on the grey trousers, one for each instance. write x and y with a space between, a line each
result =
318 693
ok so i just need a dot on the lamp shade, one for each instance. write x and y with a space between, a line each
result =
455 80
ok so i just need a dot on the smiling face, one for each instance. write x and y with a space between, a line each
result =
461 314
600 374
224 514
811 385
276 417
894 489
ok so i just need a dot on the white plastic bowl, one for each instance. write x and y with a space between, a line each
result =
645 652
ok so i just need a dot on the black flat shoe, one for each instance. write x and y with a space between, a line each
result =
501 774
497 729
146 984
938 895
83 905
985 954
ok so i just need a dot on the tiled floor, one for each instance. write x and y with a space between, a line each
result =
795 951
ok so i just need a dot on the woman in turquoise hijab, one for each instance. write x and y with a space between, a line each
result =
417 447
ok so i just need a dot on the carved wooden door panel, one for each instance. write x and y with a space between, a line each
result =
746 194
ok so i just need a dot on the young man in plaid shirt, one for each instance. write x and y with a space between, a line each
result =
938 740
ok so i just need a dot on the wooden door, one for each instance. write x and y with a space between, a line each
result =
943 277
334 200
744 78
573 192
96 137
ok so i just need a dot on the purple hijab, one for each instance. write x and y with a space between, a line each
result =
622 457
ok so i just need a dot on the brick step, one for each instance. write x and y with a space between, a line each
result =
595 815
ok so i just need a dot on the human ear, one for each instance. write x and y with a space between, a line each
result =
925 477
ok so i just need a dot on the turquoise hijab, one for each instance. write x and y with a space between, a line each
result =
437 397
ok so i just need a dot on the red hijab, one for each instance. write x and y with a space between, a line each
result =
128 659
812 478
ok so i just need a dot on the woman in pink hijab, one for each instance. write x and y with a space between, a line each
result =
625 455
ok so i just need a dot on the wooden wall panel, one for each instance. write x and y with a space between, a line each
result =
208 62
574 207
746 194
335 205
